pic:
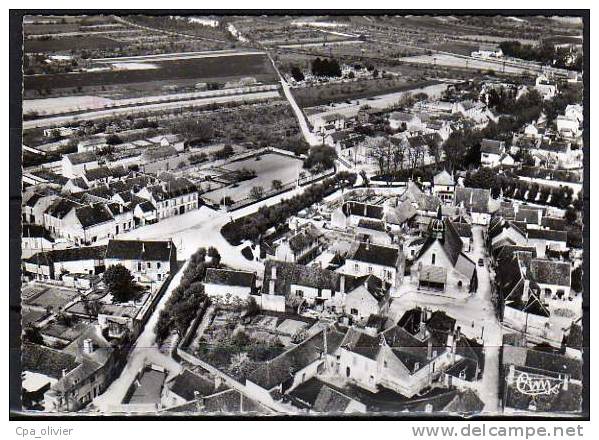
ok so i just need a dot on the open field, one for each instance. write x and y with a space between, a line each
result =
67 43
147 108
207 69
270 167
463 63
319 95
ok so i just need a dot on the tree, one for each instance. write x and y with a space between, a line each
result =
571 215
256 193
32 334
322 157
276 184
577 279
225 152
114 139
120 284
297 74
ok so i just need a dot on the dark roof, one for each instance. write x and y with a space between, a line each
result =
140 250
45 360
463 229
376 254
548 234
361 343
331 401
363 210
93 214
554 223
61 207
147 206
187 383
36 231
528 215
82 157
172 188
474 199
229 277
550 272
304 238
284 366
70 254
105 172
293 273
491 146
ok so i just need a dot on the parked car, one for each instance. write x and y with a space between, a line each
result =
481 262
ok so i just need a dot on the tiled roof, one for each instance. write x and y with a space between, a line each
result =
375 254
547 234
283 367
140 250
45 360
93 214
82 157
491 146
474 199
361 343
363 210
443 178
36 231
70 254
187 383
550 272
293 273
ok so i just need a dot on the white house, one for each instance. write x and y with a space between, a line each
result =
444 186
75 164
366 258
148 261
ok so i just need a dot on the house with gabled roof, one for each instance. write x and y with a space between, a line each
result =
148 261
491 152
300 246
315 355
54 264
173 196
99 360
521 303
89 223
442 263
538 379
382 261
444 186
405 358
475 201
75 164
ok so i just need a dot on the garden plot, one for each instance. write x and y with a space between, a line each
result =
51 297
269 167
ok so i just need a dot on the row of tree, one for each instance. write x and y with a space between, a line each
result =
545 53
252 226
188 297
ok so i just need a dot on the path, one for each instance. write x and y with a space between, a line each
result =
309 137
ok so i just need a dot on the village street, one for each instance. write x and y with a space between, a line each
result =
474 314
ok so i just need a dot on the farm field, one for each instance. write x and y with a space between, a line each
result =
67 43
465 63
315 96
214 69
270 167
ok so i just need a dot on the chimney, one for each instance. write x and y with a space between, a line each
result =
510 376
540 217
64 372
342 284
273 272
120 208
471 197
88 346
368 244
566 382
429 348
365 210
525 291
217 382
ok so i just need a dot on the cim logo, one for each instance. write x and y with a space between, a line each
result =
532 385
